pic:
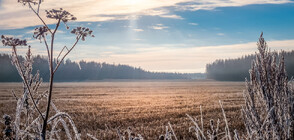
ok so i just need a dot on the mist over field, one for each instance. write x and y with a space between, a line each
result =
87 71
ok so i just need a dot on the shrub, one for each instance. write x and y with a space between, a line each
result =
269 101
269 98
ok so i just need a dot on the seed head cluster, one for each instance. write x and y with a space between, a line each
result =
13 42
60 14
29 1
82 32
40 32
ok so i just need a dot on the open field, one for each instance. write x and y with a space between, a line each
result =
99 108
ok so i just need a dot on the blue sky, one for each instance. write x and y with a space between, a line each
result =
159 35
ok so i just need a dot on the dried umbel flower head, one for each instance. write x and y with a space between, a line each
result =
30 1
13 42
60 14
82 32
40 32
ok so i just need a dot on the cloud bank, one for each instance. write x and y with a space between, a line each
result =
14 15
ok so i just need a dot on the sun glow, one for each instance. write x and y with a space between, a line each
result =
134 5
134 2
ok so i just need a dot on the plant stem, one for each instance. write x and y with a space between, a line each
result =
47 48
43 133
66 54
40 18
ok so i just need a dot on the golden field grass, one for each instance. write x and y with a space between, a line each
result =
99 108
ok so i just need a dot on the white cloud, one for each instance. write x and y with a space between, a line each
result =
30 32
220 34
14 36
138 30
194 24
212 4
15 15
138 39
158 27
171 16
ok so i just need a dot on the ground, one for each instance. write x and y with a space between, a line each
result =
99 108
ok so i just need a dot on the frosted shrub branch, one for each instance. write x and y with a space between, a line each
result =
24 71
214 133
269 100
127 135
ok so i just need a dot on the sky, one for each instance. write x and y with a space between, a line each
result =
158 35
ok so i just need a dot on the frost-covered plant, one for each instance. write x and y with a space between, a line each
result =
214 132
28 119
269 102
169 133
269 98
31 121
128 135
8 132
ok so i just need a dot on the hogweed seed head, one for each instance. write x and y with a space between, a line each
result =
60 14
83 32
12 42
40 32
24 2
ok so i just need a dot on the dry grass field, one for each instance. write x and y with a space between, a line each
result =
99 108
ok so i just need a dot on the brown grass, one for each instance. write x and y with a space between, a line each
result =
98 108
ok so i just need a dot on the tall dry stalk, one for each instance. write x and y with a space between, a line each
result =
269 99
42 119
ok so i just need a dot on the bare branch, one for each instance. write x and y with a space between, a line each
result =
13 93
57 25
61 52
40 18
39 6
67 54
47 48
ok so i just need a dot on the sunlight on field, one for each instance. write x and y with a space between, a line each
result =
99 108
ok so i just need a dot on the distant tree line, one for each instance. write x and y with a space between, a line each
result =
86 71
238 69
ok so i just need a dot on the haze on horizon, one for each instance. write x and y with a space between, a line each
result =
160 35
